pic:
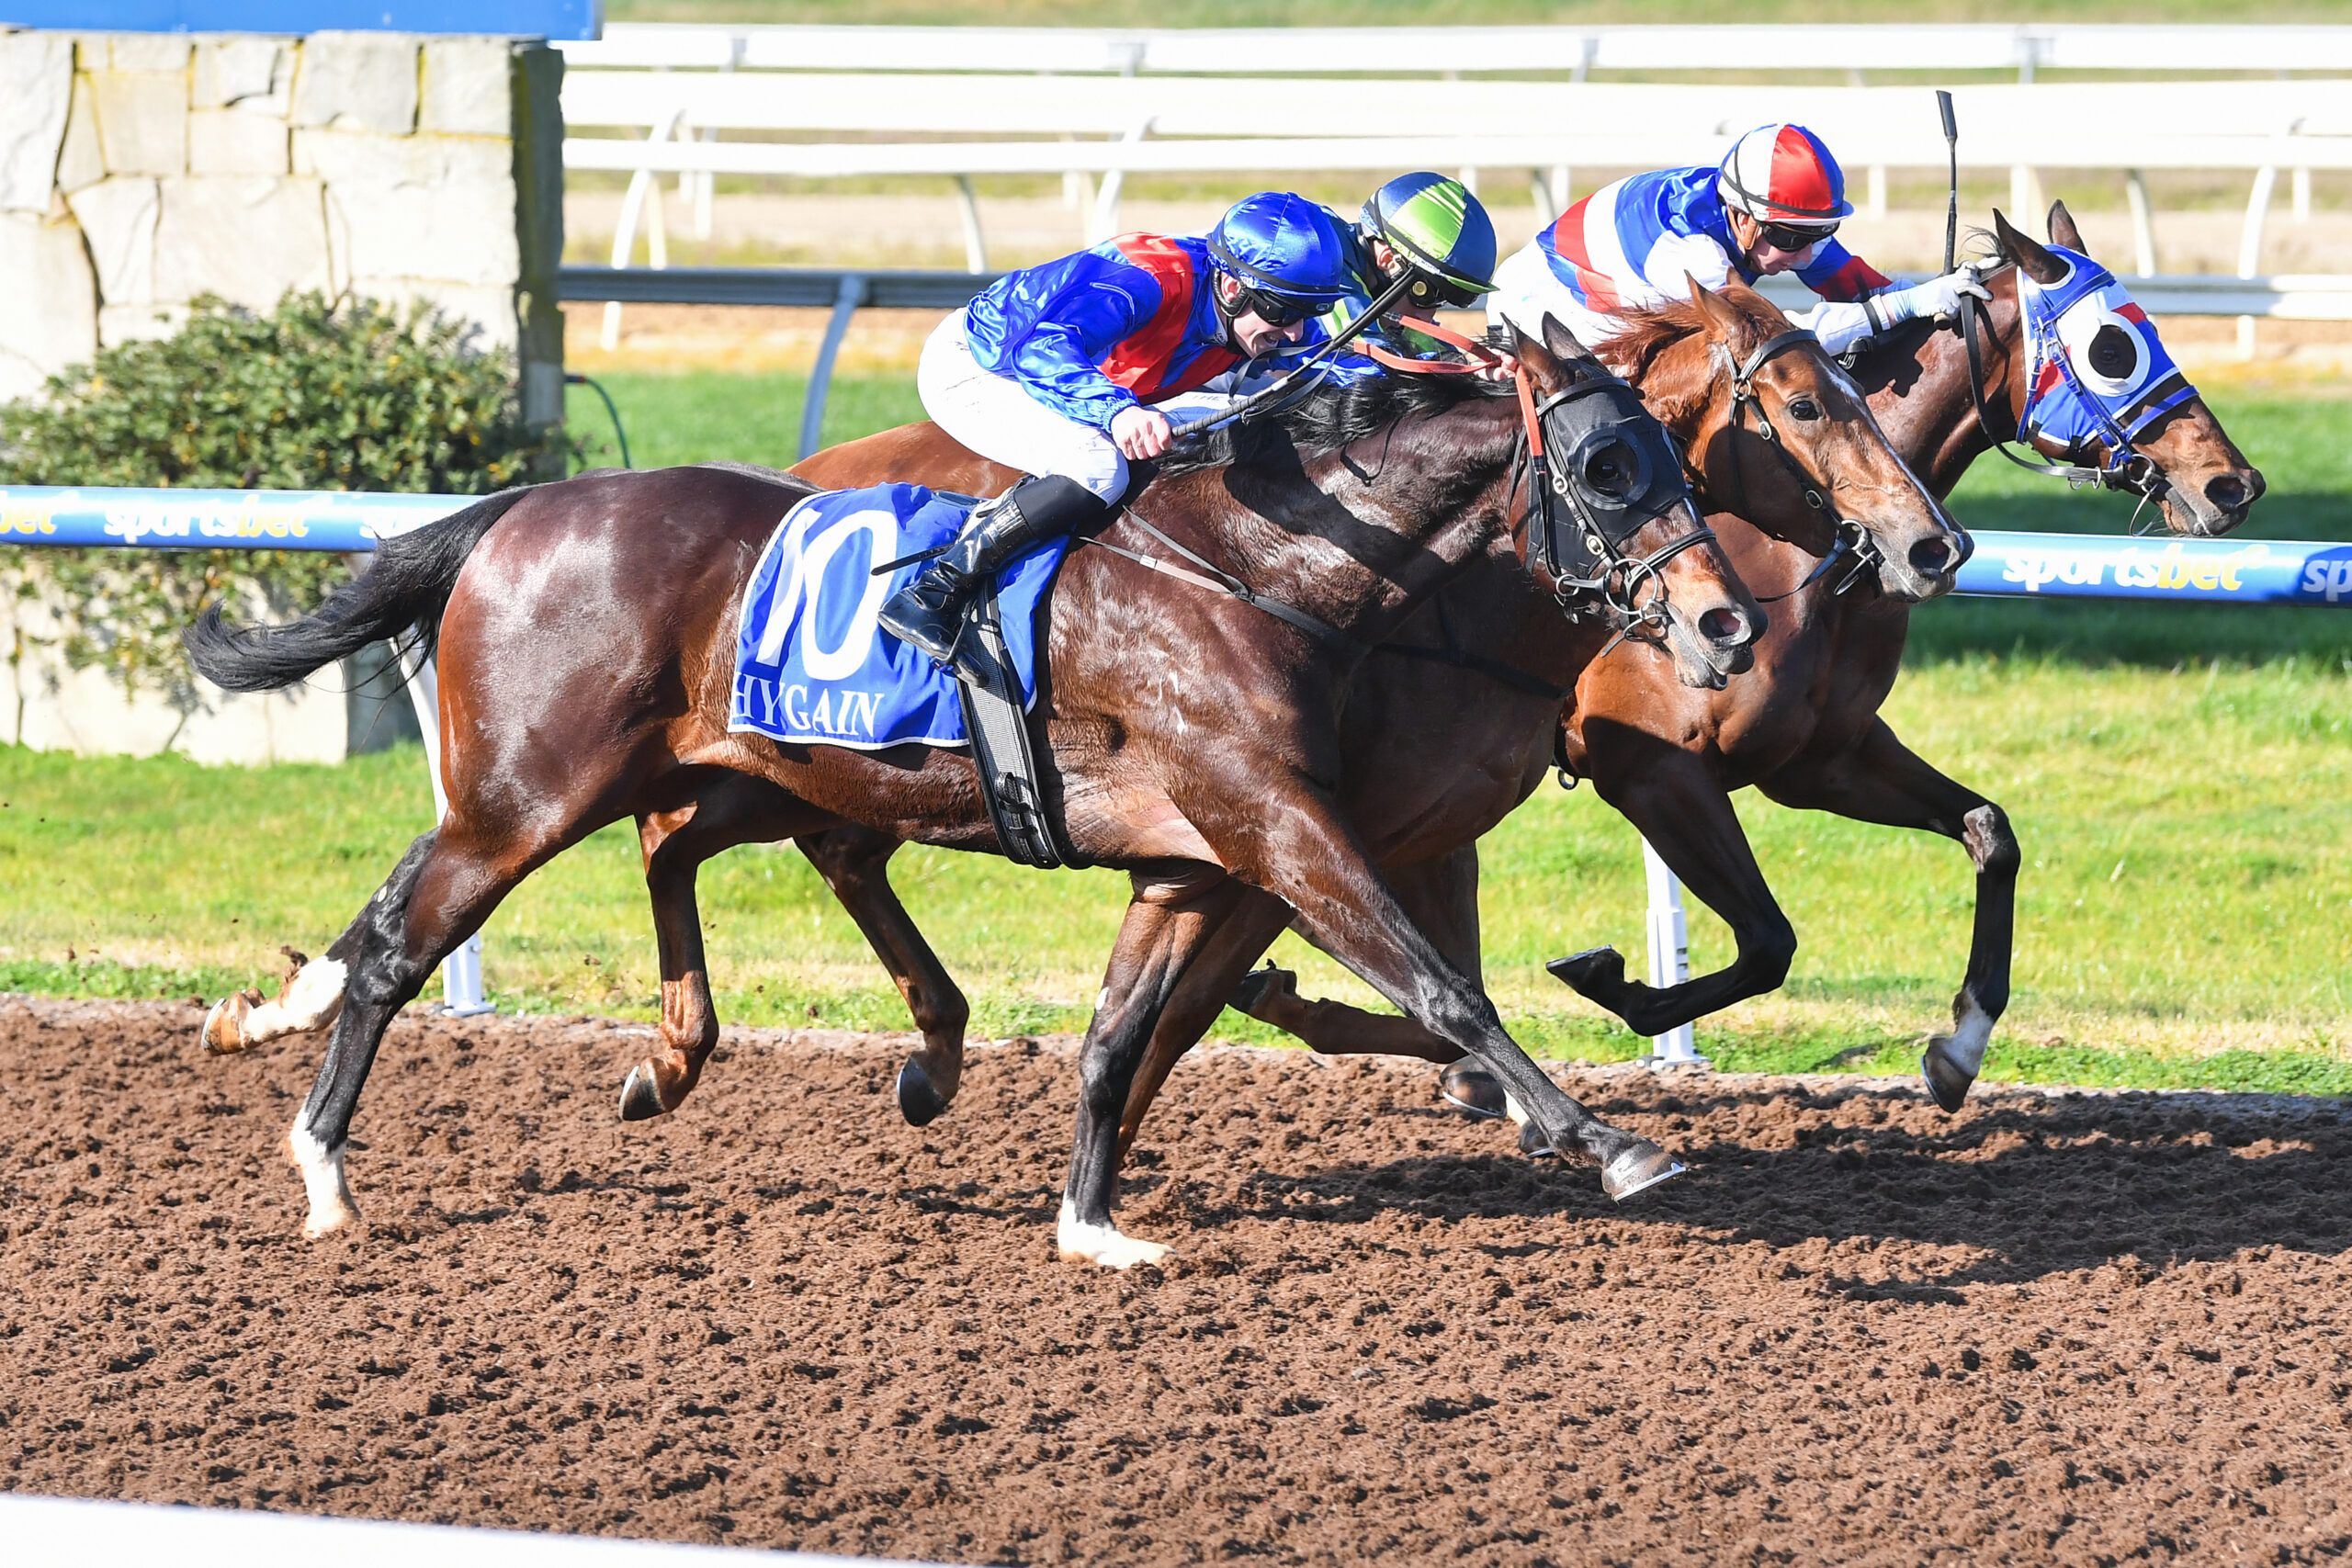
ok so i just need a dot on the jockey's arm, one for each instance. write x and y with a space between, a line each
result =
1860 302
1055 366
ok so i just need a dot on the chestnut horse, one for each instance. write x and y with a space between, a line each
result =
585 632
1803 726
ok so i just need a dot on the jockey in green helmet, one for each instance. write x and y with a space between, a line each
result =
1432 229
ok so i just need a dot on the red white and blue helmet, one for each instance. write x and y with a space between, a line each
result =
1782 174
1287 246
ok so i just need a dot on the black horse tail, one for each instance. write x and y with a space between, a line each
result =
401 596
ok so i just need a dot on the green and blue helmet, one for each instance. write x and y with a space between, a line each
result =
1439 229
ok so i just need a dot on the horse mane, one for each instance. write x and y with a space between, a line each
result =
1332 417
1651 330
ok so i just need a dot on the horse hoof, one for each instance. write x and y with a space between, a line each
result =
1643 1165
918 1101
1947 1085
640 1100
1586 972
1533 1143
1474 1089
1102 1244
224 1026
1258 985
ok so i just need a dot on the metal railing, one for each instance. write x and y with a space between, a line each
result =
844 291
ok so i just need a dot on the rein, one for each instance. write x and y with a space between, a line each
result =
1848 537
1219 580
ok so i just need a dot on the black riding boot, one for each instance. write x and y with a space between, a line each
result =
928 613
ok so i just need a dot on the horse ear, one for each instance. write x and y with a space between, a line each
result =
1729 326
2062 231
2038 263
1562 341
1749 300
1530 351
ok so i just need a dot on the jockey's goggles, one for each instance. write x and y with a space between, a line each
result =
1433 292
1791 236
1274 309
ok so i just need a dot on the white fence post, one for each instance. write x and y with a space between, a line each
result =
1669 958
461 991
2257 209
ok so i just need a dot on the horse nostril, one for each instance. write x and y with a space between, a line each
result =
2228 493
1933 557
1722 627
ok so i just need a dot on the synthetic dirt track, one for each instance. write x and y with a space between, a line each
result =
2058 1326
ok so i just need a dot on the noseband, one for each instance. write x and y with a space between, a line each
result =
1849 538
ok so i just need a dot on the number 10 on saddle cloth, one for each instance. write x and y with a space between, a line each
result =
813 665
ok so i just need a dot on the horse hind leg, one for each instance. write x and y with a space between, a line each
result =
309 999
854 863
441 891
731 810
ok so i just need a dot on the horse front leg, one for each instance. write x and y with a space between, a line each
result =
1168 921
1222 954
1301 850
854 862
1676 802
1879 779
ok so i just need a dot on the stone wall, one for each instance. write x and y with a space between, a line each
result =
140 170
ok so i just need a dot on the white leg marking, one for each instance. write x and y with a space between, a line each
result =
323 1182
1514 1109
1964 1048
1102 1244
311 1000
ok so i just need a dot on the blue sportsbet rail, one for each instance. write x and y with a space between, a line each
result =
2033 566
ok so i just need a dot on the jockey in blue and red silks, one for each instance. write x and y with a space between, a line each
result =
1772 205
1052 370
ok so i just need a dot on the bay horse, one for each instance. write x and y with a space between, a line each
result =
1803 726
585 633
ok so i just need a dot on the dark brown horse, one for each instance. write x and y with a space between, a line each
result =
1803 726
585 633
1426 771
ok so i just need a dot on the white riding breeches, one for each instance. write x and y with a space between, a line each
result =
1525 292
995 416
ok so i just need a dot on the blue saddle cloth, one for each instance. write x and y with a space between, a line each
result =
812 663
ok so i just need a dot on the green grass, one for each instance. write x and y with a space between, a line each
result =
2178 779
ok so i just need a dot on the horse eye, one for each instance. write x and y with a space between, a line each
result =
1803 408
2113 353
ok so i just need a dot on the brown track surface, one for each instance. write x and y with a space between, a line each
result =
2058 1327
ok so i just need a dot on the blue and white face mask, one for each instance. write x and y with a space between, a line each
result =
2098 372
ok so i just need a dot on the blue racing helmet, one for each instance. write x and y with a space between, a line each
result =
1287 248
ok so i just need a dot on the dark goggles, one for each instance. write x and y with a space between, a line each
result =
1790 237
1438 293
1274 309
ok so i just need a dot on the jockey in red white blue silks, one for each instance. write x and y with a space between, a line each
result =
1053 369
1772 205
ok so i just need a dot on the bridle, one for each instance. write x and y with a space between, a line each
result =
1582 554
2127 469
1848 537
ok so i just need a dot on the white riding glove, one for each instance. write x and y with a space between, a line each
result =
1841 326
1936 299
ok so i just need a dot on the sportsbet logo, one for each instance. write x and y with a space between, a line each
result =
2258 571
2170 567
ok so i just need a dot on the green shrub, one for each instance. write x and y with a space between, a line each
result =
317 394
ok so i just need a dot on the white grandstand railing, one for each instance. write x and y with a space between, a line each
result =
964 126
2024 48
